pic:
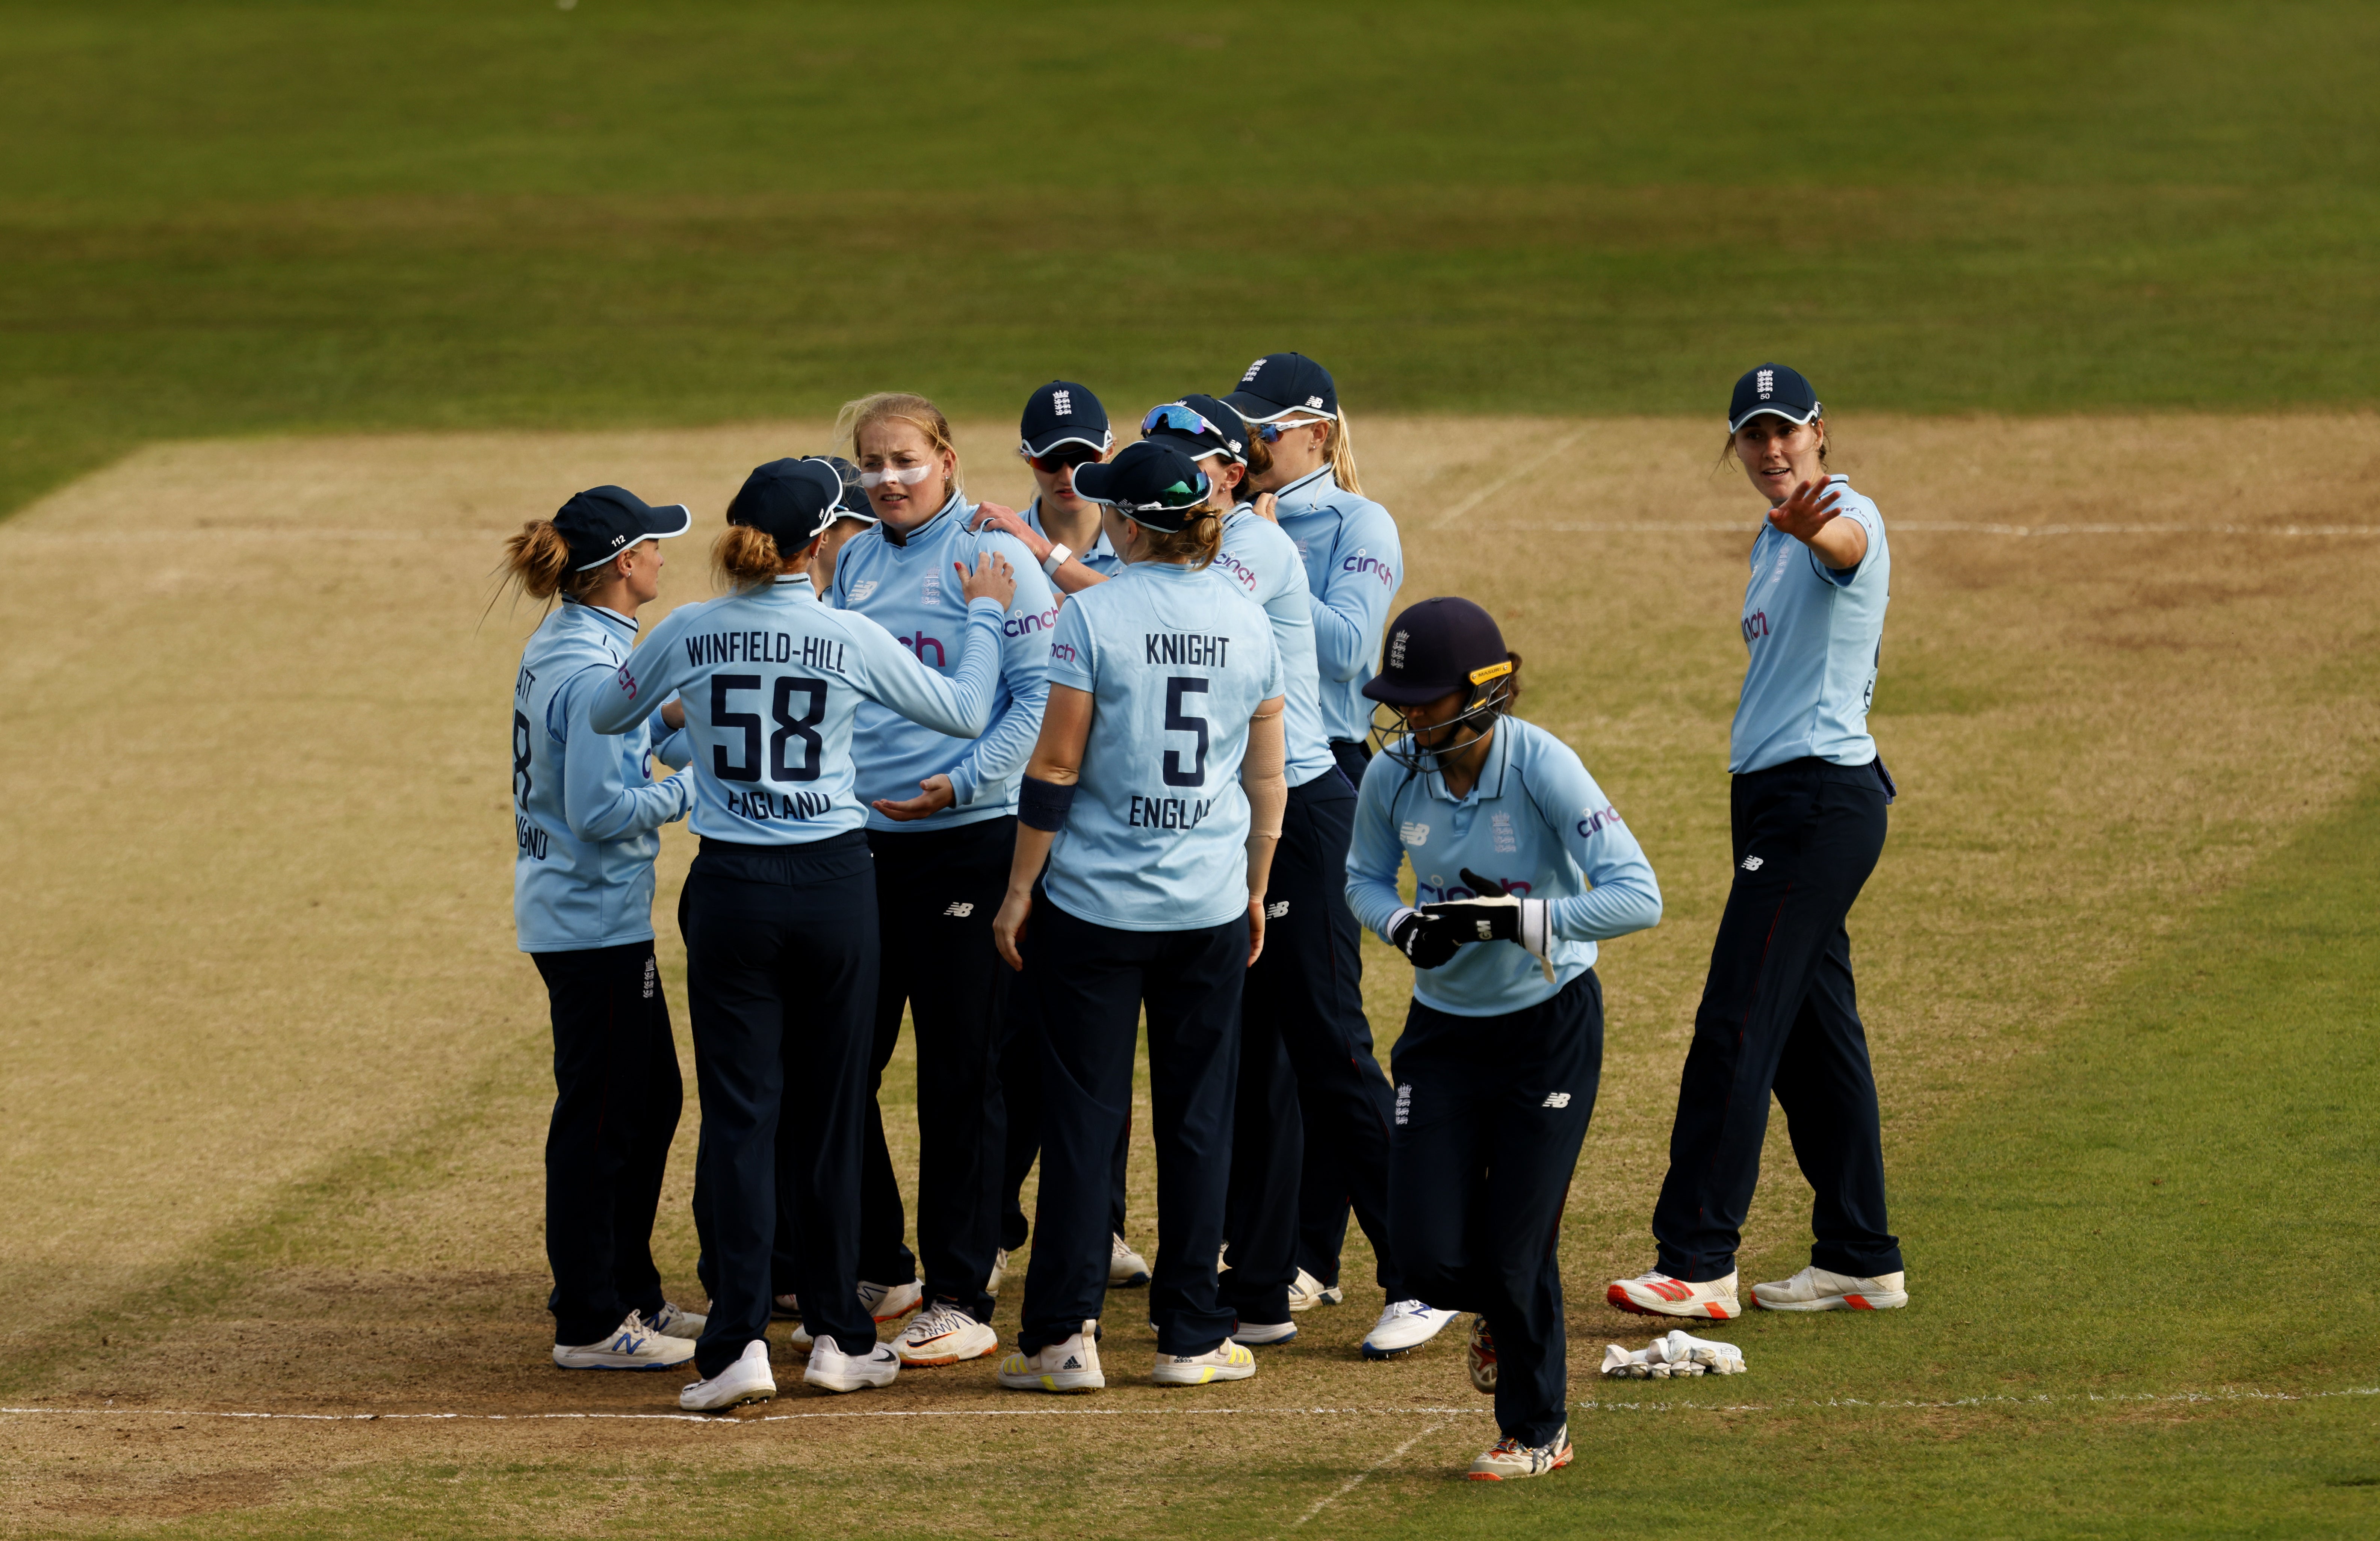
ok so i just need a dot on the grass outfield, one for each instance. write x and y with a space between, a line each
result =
275 1080
230 218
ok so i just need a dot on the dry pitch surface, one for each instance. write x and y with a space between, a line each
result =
272 1116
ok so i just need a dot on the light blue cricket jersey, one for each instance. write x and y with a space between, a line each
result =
586 808
772 682
1354 565
1101 559
1176 662
907 587
1537 824
1815 636
1264 563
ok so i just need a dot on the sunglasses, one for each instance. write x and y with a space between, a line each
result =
1270 433
1175 418
1061 457
908 476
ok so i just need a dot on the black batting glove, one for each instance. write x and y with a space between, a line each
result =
1425 940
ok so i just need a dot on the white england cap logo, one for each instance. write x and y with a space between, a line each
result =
1062 403
1397 651
1765 383
1254 370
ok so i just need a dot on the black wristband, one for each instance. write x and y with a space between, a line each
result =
1043 804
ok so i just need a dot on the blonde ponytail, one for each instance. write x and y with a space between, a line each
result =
745 559
539 560
1342 449
1195 545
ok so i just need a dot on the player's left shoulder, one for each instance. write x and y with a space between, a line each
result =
1851 499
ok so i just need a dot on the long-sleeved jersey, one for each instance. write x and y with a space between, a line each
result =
772 681
586 809
905 584
1813 638
1354 565
1176 661
1536 824
1264 565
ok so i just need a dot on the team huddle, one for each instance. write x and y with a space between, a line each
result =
1028 776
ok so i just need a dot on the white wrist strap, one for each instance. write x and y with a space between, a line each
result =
1055 560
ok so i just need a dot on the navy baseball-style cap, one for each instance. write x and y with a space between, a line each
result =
1199 426
1285 384
1062 413
601 522
853 503
789 501
1773 389
1437 646
1148 483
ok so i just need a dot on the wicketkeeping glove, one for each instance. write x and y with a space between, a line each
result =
1502 917
1427 940
1674 1356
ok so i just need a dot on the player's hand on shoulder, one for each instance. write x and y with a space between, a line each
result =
1267 507
995 579
992 516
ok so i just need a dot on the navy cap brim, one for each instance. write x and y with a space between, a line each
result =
661 522
1254 409
1055 437
1379 687
1766 410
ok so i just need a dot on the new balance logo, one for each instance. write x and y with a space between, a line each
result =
1752 864
1414 834
861 589
1275 910
1556 1100
962 910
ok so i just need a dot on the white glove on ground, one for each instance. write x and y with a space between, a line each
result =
1677 1355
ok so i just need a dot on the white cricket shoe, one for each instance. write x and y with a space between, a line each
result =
1508 1458
676 1321
1406 1324
798 1339
999 1273
1480 1358
1070 1366
785 1308
942 1334
1256 1334
1126 1268
1813 1289
1306 1292
832 1370
1226 1361
888 1303
631 1346
747 1379
1657 1294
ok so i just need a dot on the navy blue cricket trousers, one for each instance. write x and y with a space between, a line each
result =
1090 1012
617 1095
1020 1102
1492 1112
1780 1013
1313 991
781 954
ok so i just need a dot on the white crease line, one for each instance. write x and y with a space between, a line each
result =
1928 526
1360 1477
1484 493
1782 1405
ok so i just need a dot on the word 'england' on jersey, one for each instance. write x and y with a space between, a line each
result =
905 584
772 681
1176 661
1540 827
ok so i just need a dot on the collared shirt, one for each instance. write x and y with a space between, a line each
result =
906 585
1263 563
1814 638
586 809
1353 566
1537 825
1101 559
772 681
1176 661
